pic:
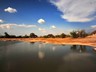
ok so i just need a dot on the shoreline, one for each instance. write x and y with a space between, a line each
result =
77 41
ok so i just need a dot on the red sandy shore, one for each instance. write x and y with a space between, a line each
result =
90 41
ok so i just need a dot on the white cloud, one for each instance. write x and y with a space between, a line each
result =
76 10
6 26
41 21
53 27
9 26
26 25
10 10
1 21
93 26
42 30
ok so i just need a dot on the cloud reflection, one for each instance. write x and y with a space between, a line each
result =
41 55
76 56
42 45
53 48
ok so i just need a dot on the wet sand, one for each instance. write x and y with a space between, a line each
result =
90 41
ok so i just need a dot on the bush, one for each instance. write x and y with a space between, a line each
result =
26 36
50 36
82 33
32 35
62 35
74 34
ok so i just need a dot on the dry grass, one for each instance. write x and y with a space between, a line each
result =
91 40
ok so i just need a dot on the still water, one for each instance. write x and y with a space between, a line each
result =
43 57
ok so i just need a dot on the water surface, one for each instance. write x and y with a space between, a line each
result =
41 57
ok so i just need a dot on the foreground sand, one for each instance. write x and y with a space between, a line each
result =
90 41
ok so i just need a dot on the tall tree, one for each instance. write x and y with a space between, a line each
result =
62 35
32 35
74 34
26 36
81 33
50 36
7 35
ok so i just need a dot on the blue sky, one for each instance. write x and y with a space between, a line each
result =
42 17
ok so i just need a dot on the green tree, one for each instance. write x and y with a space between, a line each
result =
12 36
50 36
19 36
45 36
26 36
7 35
74 34
62 35
82 33
57 36
32 35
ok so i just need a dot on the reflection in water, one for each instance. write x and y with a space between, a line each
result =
63 44
6 43
94 49
78 48
76 56
73 47
40 46
53 48
41 55
82 48
32 42
77 62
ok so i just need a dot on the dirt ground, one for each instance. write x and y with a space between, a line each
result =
90 41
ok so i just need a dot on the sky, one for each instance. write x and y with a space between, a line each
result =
20 17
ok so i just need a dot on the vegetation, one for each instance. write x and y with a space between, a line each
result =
26 36
94 32
61 36
73 34
32 35
7 35
54 36
48 36
80 34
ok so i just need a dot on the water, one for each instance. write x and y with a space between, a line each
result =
42 57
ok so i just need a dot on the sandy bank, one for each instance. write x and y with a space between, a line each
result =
90 41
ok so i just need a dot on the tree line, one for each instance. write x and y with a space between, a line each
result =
73 34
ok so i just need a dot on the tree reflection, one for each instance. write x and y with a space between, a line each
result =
82 48
74 47
63 44
32 42
79 48
7 43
